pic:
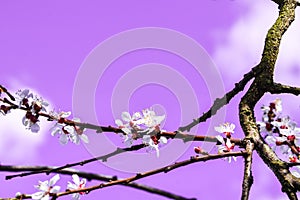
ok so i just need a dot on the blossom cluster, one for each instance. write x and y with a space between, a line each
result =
67 132
35 106
224 144
280 131
145 125
46 188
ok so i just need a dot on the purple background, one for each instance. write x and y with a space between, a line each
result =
44 44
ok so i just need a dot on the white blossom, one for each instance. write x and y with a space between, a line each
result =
225 146
139 124
46 188
77 184
30 121
226 128
23 96
153 142
67 132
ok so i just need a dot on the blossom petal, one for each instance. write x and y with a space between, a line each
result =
24 121
35 128
84 138
219 129
126 116
296 174
126 130
119 122
65 114
220 138
146 139
159 119
136 116
43 186
163 140
25 93
55 189
54 179
69 129
76 179
234 158
63 139
54 130
232 127
75 196
37 195
270 139
156 149
229 159
128 141
75 138
72 186
45 103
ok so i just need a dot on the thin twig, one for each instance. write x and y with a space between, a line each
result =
220 102
186 137
3 89
248 178
57 169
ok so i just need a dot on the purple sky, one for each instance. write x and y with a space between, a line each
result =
48 46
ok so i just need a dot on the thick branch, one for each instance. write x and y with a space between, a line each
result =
260 85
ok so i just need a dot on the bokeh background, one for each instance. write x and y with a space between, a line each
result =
44 45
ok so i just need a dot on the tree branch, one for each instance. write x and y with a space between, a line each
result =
185 137
81 163
152 172
278 88
89 177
